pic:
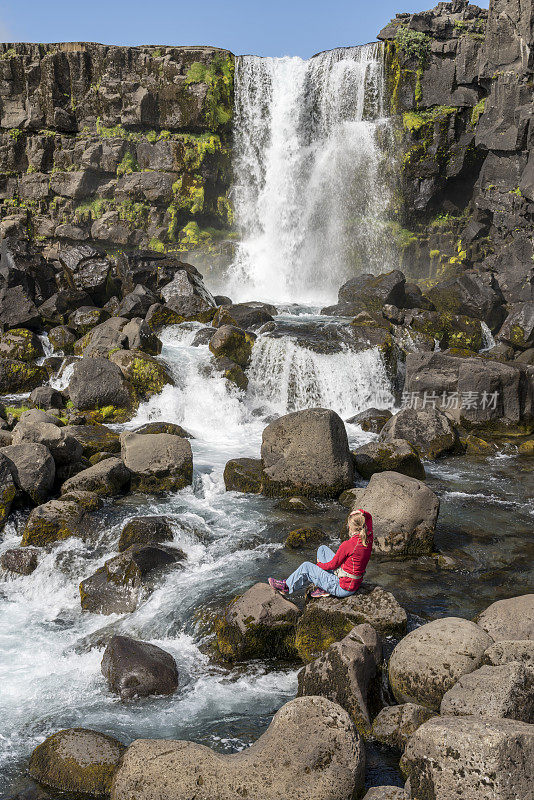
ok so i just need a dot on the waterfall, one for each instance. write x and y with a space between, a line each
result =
308 195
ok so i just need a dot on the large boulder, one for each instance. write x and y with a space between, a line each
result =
116 587
505 691
330 619
369 293
141 337
54 521
136 303
309 751
395 724
103 339
145 530
33 469
138 669
109 477
518 327
470 295
429 430
47 397
431 659
245 315
77 761
243 475
394 455
509 619
371 420
258 624
65 449
146 374
307 453
20 376
505 651
347 673
20 344
158 462
95 439
96 383
17 309
8 489
404 512
20 560
233 343
485 759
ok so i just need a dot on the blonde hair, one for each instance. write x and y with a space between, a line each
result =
358 526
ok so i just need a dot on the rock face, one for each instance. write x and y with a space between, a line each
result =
77 760
511 619
158 462
259 624
307 453
395 724
431 659
505 691
394 455
428 430
330 619
486 758
323 758
404 513
347 674
138 669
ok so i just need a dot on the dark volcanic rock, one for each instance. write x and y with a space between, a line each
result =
22 560
145 530
430 431
396 455
96 383
369 293
372 419
138 669
243 475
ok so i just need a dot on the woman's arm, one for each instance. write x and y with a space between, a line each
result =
342 553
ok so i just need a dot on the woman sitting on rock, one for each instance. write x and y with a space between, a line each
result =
338 574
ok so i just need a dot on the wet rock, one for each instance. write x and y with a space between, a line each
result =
231 342
509 620
298 505
116 587
103 339
138 669
371 420
22 560
430 431
386 793
190 308
330 619
469 295
141 337
20 344
86 318
404 512
136 303
146 374
109 477
347 674
17 377
77 760
222 300
164 427
395 724
431 659
323 757
304 538
65 449
248 316
47 397
486 758
95 438
159 462
369 293
518 327
145 530
8 488
396 455
505 691
53 522
259 624
33 469
243 475
97 383
203 336
307 453
233 373
62 339
504 652
159 316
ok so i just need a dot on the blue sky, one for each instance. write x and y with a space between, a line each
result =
268 27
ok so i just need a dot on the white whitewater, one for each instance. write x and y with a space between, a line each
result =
308 196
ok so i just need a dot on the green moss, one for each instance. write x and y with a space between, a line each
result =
218 75
188 193
16 411
477 112
157 245
414 44
15 134
304 538
127 165
148 376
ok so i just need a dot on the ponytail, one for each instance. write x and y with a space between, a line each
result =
358 527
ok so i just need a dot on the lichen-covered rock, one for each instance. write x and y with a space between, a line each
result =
47 397
20 344
245 315
505 691
95 438
243 475
65 449
395 724
85 318
158 462
138 669
404 512
347 673
20 376
62 339
518 327
234 343
52 522
510 619
164 427
300 538
145 530
77 760
309 751
96 384
109 477
369 293
33 469
431 659
485 758
21 560
330 619
103 339
8 488
307 452
469 295
395 455
259 624
146 374
430 431
371 420
505 651
233 373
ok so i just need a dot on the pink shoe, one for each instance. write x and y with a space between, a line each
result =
319 593
279 586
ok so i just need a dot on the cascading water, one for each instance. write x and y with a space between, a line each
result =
308 196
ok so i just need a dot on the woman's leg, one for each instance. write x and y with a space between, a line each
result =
324 554
311 573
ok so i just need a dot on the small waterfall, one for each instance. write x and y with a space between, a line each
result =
487 338
289 378
308 195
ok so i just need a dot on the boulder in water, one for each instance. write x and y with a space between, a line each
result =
54 521
371 420
65 449
146 374
431 659
78 761
95 439
164 427
310 751
243 475
510 619
307 452
301 538
138 669
145 530
98 384
245 315
506 691
233 373
22 560
486 759
8 489
109 477
369 293
298 505
33 469
396 455
158 462
259 624
234 343
430 431
395 724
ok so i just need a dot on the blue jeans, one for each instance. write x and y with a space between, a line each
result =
311 573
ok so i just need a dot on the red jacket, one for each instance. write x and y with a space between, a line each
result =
353 557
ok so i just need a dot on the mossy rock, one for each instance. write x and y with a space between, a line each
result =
19 376
477 446
62 339
146 374
95 439
301 538
165 427
77 761
20 344
527 448
111 414
145 530
7 489
233 373
52 522
243 475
